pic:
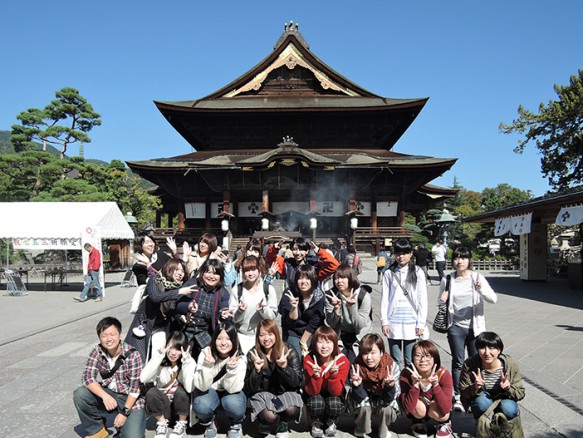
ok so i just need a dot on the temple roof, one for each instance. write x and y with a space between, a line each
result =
292 91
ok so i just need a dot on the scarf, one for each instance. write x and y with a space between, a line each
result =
164 284
374 380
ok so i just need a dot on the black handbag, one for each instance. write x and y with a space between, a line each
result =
440 323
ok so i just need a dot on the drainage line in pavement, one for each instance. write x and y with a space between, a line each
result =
29 335
557 397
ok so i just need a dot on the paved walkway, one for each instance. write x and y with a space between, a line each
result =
46 336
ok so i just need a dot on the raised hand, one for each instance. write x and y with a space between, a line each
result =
228 313
186 290
335 301
208 356
351 300
242 305
186 250
232 363
193 307
293 301
141 259
273 269
415 376
316 369
355 377
504 382
282 360
314 247
171 244
334 367
258 363
279 244
261 305
478 381
434 378
390 379
185 353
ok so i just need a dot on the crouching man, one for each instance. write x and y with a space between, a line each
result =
111 380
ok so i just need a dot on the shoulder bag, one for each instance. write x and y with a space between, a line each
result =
440 323
425 334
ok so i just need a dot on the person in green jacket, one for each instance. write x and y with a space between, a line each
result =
491 375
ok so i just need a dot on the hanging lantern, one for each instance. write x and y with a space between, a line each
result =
313 223
354 223
225 225
265 224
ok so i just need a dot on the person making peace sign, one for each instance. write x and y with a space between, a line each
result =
427 390
274 377
375 387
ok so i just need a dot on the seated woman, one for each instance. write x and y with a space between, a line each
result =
491 375
348 309
218 381
426 390
274 379
325 371
300 319
198 313
111 383
163 290
375 387
251 301
171 369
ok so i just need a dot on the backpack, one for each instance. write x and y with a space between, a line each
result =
265 291
364 289
381 261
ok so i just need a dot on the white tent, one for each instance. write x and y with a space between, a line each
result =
59 221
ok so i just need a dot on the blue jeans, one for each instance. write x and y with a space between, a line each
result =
482 402
294 341
459 339
92 276
395 349
91 412
205 405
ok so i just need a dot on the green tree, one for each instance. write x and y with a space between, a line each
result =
64 121
503 195
557 131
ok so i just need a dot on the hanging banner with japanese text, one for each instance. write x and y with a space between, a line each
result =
572 215
502 226
521 224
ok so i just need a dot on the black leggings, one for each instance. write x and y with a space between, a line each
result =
157 403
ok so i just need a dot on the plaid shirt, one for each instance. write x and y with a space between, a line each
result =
126 379
209 304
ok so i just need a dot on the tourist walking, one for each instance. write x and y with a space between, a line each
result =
92 277
422 259
439 252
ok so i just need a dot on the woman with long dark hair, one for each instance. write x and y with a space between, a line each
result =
218 381
403 302
171 370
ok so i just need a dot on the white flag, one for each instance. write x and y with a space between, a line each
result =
502 226
570 215
521 224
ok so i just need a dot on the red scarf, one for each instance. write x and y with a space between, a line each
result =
374 379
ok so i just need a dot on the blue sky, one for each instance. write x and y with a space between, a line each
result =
476 61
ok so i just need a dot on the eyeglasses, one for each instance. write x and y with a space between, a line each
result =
423 356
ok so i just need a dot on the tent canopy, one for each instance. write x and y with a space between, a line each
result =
62 220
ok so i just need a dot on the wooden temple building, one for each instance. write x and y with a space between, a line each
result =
289 141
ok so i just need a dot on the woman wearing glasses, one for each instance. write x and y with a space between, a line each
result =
426 391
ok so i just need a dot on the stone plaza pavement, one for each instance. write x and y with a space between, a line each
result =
46 336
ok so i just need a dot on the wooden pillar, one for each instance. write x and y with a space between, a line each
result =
181 221
265 200
401 218
170 218
158 219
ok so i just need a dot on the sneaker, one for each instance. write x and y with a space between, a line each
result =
330 430
457 404
161 430
444 430
282 430
179 429
419 430
81 300
358 433
234 431
211 430
98 300
316 430
139 331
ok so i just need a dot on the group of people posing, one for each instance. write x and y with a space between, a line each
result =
205 337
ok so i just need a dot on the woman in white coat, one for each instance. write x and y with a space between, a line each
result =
467 292
218 381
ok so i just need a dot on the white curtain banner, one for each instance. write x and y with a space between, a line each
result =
195 210
42 244
387 208
568 216
249 209
521 224
502 226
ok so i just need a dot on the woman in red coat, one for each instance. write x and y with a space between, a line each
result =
426 391
325 372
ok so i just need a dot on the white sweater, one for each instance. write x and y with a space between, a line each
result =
232 381
161 375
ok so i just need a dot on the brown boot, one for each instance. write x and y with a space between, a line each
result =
102 433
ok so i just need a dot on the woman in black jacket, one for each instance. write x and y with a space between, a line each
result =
274 378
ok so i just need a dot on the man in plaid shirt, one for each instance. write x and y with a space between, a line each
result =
111 380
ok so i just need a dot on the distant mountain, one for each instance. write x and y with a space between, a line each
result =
7 148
